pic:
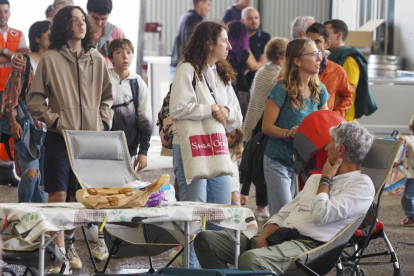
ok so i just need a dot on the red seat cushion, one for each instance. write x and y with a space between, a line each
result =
359 234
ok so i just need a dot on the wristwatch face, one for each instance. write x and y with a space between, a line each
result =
5 51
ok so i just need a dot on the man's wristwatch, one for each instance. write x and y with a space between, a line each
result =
5 51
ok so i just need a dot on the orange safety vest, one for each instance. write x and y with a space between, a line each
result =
12 44
3 152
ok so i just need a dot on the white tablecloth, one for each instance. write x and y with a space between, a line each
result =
37 218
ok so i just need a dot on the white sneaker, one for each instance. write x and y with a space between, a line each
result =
100 252
72 255
261 216
56 269
178 261
92 233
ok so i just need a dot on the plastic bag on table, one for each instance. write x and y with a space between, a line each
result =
119 197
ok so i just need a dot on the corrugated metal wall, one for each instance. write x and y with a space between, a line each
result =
168 12
276 15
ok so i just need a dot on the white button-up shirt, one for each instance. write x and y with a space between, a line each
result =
322 216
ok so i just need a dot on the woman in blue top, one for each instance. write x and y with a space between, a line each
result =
297 94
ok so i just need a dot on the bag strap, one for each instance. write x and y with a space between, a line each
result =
193 83
209 88
135 93
208 85
26 78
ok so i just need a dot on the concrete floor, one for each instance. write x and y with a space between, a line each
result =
390 213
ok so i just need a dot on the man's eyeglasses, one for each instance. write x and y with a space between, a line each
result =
313 54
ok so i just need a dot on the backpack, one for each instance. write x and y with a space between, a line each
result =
251 166
164 122
132 134
4 138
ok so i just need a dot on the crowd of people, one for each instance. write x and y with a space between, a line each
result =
76 76
277 83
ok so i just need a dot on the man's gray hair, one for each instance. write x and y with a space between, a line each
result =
245 10
299 25
356 139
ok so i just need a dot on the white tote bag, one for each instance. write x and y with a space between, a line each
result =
204 149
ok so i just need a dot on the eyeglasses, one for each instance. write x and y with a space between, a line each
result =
313 54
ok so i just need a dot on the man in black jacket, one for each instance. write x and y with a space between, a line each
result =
185 27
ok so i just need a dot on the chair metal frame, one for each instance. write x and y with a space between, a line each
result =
122 143
349 263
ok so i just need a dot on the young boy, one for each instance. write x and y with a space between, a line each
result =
73 77
132 114
407 200
132 107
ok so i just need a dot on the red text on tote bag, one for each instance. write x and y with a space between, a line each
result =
209 144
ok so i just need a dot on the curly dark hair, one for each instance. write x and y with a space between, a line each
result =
61 30
197 49
101 7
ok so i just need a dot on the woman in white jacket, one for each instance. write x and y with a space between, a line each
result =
204 60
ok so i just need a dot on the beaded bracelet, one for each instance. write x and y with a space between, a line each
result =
325 181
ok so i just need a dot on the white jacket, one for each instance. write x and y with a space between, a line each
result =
235 179
187 105
122 93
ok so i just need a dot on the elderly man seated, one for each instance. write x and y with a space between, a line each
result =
326 205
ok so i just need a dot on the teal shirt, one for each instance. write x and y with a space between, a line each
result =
278 149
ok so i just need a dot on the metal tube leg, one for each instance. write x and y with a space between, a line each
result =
296 176
187 244
42 255
237 250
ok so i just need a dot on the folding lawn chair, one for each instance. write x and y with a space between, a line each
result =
378 165
101 159
309 155
321 259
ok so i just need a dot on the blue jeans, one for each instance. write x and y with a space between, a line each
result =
407 201
42 166
213 190
29 189
172 72
280 184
